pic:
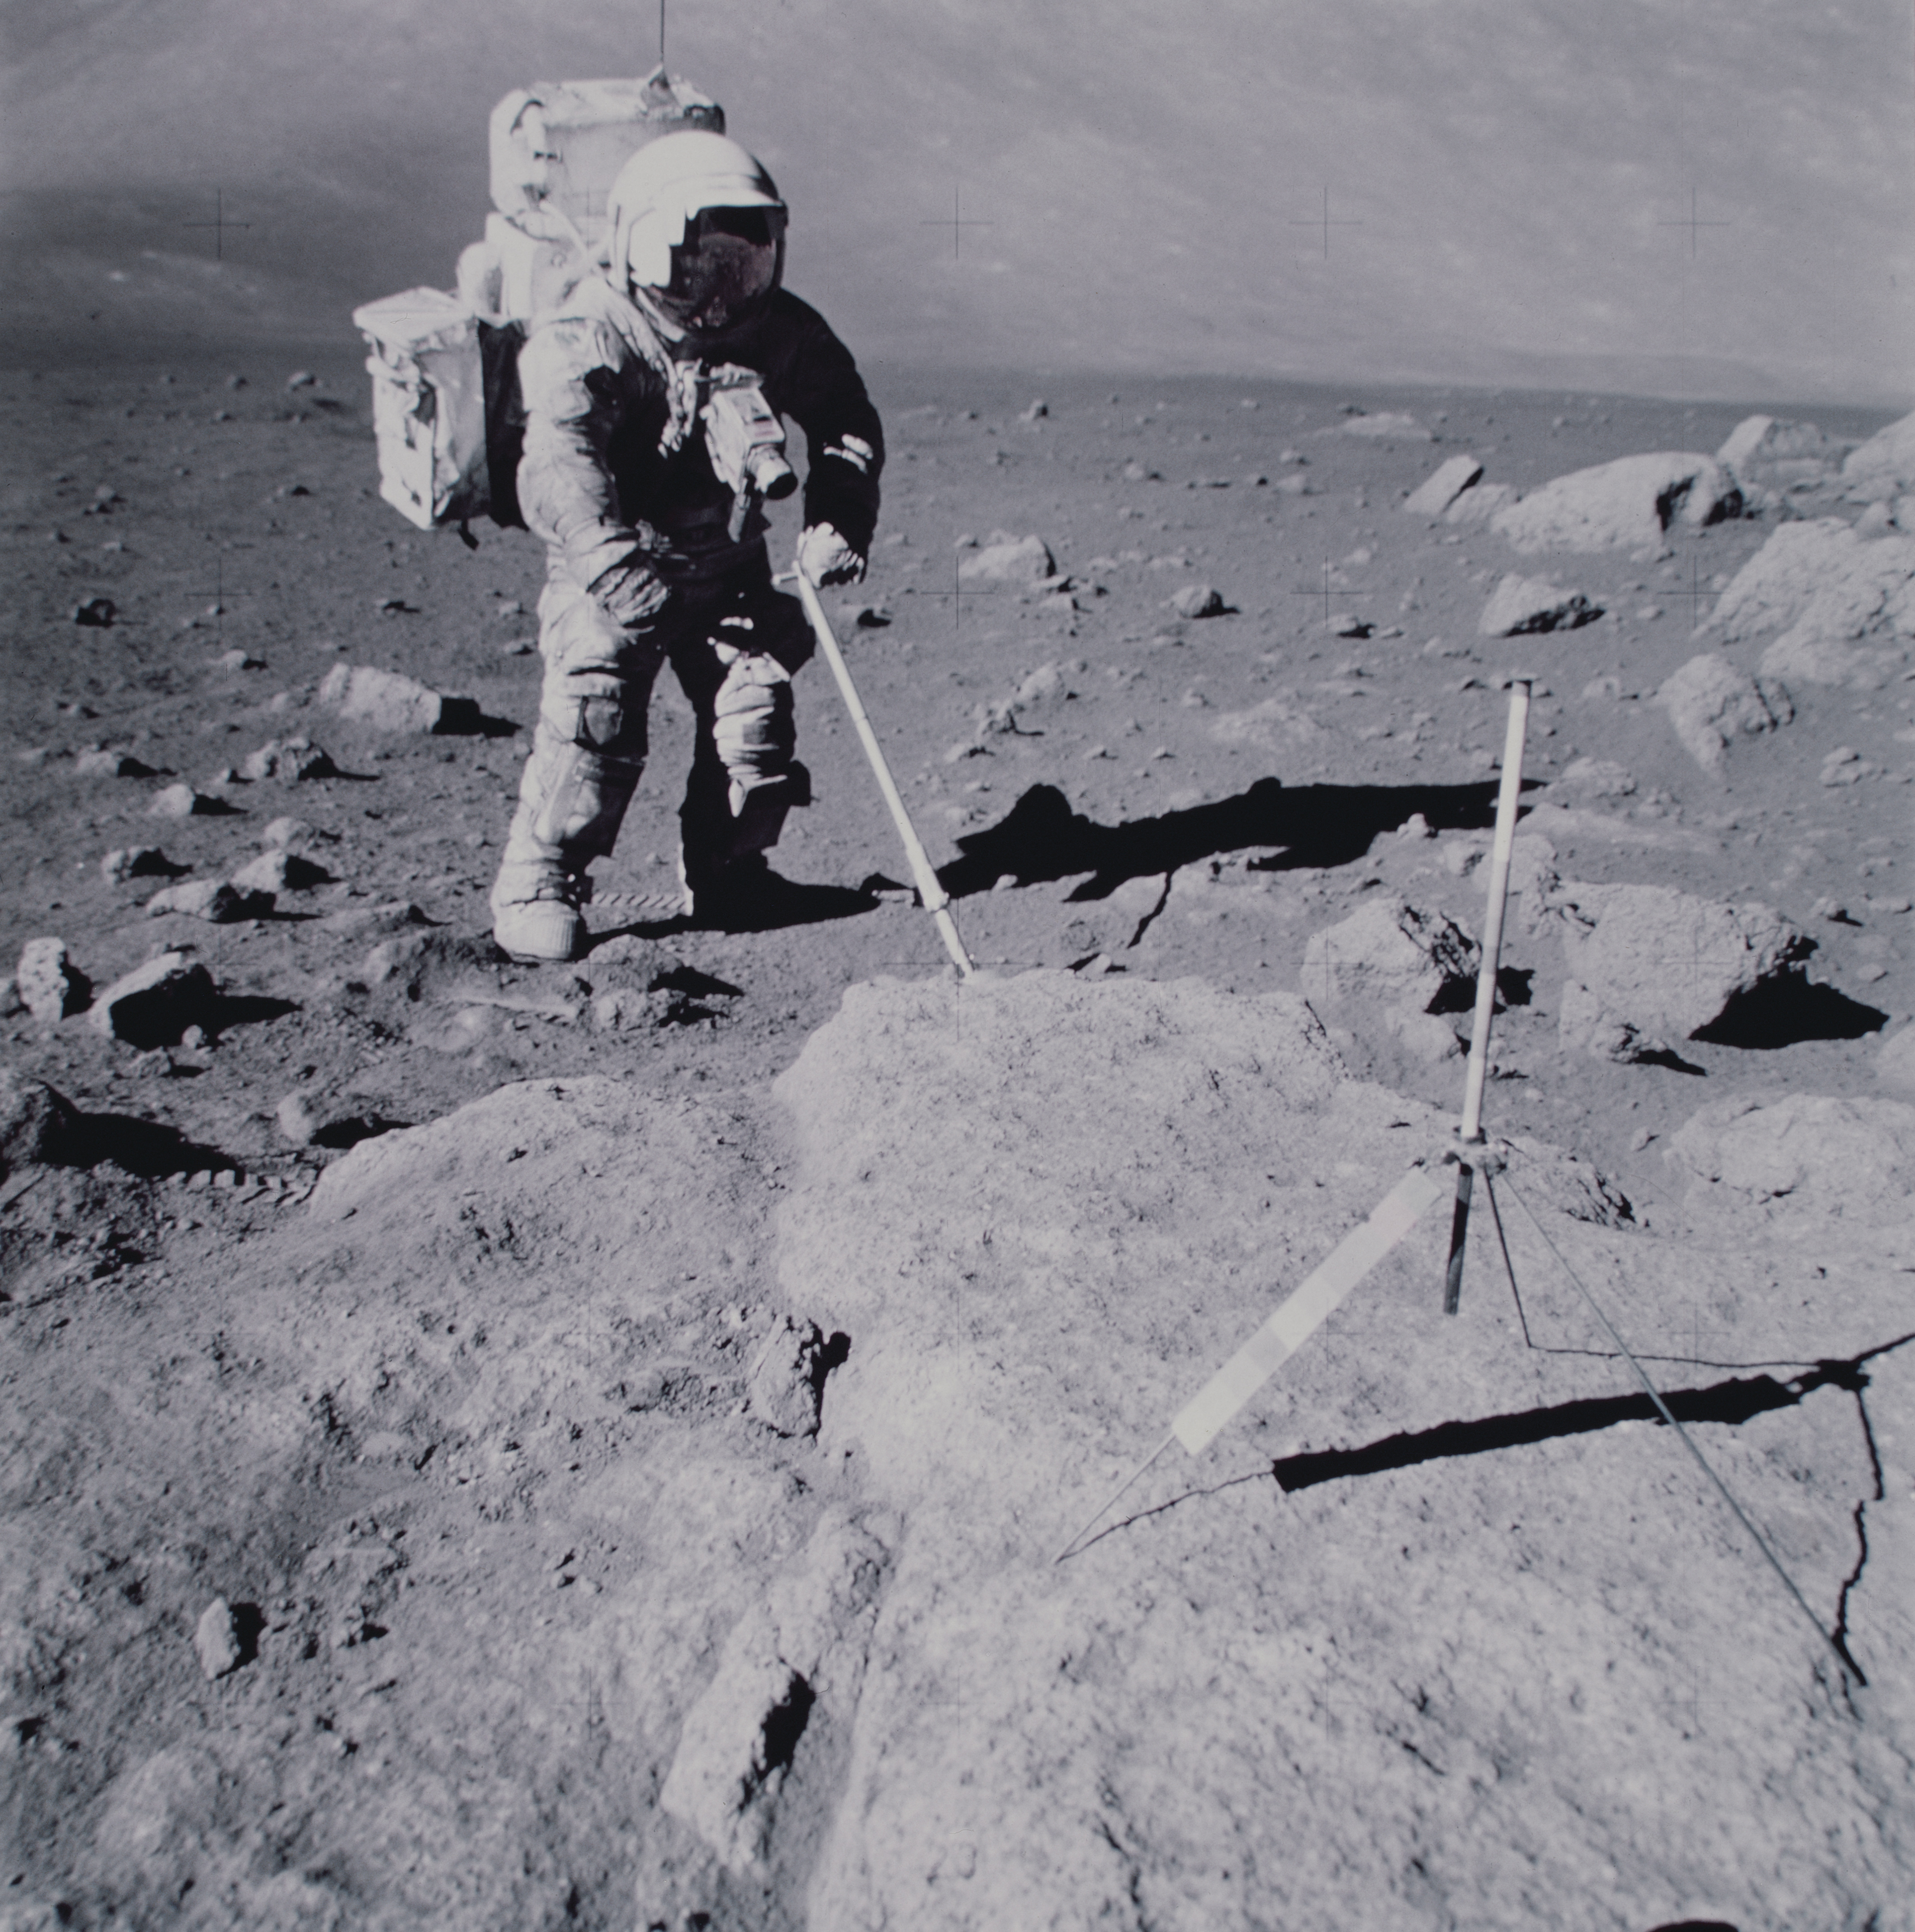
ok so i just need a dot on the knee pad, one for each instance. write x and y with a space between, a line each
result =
753 727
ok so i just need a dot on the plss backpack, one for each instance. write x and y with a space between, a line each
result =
446 408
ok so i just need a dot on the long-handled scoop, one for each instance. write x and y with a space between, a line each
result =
936 900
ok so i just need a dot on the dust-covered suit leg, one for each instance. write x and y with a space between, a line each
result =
735 668
599 636
588 755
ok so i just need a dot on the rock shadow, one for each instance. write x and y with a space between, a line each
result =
461 718
1317 826
348 1132
1787 1010
148 1149
225 1010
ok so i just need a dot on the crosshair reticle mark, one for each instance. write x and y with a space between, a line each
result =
957 593
1691 222
957 223
1324 222
219 225
1694 593
220 592
1328 590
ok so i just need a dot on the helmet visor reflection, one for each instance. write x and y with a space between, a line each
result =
728 261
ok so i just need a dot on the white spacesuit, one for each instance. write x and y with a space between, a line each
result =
651 435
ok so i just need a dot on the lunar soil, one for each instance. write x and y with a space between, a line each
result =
498 1446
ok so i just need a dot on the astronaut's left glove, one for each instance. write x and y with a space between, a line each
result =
825 557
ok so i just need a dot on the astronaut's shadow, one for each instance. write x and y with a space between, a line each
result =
1317 826
773 905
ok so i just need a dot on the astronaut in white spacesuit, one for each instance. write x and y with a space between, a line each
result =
652 399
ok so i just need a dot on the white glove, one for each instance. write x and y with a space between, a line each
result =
825 557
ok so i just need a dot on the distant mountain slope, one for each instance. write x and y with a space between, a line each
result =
1391 189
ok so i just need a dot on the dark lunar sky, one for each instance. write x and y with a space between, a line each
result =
1509 186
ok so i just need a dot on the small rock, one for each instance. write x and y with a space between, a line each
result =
154 1004
1522 606
37 1125
1198 600
1845 766
239 660
1451 479
97 613
289 759
1586 1025
395 703
1006 559
1347 624
1596 777
216 900
297 1122
301 379
216 1641
786 1387
1713 704
110 765
389 916
1392 424
627 1009
287 832
138 862
181 801
1037 409
50 985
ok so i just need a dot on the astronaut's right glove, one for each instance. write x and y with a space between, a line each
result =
825 557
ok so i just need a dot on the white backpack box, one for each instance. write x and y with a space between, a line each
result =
428 405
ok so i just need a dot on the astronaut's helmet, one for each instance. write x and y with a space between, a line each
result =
698 229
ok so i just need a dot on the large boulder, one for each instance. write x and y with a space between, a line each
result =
1389 965
37 1125
1805 1158
1884 466
1626 505
394 702
1655 963
1713 703
1844 605
1521 606
50 985
1103 1740
1387 953
154 1004
1771 459
1444 485
218 901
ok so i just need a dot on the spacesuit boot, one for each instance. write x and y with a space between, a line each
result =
572 800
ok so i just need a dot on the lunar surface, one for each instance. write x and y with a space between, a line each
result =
511 1447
